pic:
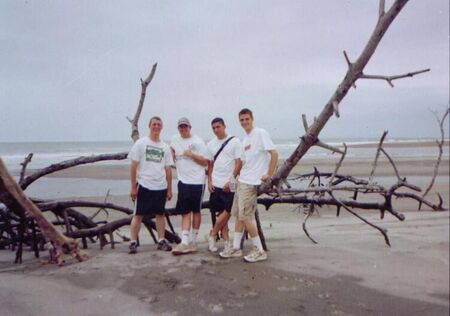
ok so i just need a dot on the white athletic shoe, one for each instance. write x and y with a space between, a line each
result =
231 253
211 243
181 249
255 256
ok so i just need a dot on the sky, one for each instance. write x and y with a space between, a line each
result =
70 70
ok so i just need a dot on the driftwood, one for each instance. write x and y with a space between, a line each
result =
21 221
354 72
13 193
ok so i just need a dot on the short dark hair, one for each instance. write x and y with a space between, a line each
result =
246 111
154 118
218 120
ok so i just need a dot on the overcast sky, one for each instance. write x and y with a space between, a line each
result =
70 70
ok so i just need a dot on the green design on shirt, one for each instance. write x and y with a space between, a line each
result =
154 154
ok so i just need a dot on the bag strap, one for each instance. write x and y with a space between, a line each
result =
222 147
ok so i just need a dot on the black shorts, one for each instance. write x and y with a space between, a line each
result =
190 197
150 202
220 200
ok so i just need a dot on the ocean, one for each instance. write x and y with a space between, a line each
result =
47 153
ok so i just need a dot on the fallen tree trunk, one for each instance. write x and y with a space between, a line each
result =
17 198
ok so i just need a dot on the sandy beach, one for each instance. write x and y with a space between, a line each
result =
350 272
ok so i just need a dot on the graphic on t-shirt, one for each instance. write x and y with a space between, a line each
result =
154 154
247 147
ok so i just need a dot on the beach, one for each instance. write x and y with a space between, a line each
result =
351 271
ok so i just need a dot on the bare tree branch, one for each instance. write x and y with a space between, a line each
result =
341 91
305 123
321 144
381 230
440 144
377 155
381 9
338 165
68 164
392 163
308 214
135 120
389 79
24 166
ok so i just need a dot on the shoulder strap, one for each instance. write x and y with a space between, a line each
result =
222 147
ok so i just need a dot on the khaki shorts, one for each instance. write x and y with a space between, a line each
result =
244 202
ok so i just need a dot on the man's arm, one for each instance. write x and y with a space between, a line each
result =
133 179
237 167
168 170
210 171
202 161
272 165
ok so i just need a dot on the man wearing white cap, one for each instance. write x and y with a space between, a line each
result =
189 152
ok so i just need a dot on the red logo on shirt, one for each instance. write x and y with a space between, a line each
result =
247 147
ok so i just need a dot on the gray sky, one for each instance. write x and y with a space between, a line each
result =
70 70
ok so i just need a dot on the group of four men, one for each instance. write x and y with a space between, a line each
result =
234 170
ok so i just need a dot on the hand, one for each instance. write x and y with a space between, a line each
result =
169 195
188 153
133 194
226 187
210 187
265 177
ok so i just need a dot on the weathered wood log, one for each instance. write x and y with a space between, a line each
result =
63 244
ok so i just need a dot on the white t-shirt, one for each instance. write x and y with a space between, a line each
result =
188 171
226 161
255 156
152 158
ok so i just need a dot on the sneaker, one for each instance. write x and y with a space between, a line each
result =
230 253
193 246
181 249
164 245
133 248
227 245
211 243
256 255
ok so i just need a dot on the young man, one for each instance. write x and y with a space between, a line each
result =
259 163
151 182
189 152
223 168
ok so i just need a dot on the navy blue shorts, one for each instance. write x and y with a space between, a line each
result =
190 197
220 200
150 202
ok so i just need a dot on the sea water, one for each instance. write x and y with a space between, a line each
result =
47 153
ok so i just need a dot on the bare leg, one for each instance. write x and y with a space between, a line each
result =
196 220
186 221
221 223
160 226
239 226
135 226
250 226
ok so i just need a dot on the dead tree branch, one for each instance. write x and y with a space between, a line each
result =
24 166
135 120
440 144
68 164
338 165
381 230
353 74
389 79
63 244
377 155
